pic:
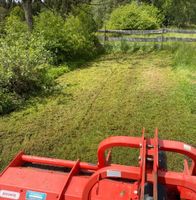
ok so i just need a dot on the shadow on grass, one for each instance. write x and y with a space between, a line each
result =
41 98
117 57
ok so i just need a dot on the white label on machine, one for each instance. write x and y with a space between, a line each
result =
187 147
112 173
9 194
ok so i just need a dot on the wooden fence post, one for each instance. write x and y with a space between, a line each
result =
162 37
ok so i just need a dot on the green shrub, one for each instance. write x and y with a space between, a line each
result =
55 72
15 23
8 101
17 11
23 57
132 16
50 26
26 57
67 39
25 64
84 13
23 70
79 42
79 34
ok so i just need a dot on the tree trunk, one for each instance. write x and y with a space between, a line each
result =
138 2
27 6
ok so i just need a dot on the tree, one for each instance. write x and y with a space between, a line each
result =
178 12
27 6
61 6
103 8
64 6
7 4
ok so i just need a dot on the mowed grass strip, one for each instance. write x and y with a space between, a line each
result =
117 94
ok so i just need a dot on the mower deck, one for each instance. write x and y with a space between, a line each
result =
38 178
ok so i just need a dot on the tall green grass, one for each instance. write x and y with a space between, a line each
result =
131 47
185 56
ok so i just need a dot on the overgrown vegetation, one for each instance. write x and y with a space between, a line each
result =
184 57
70 38
25 57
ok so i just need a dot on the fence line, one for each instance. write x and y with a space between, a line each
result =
147 32
157 39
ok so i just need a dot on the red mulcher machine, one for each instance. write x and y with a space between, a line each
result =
38 178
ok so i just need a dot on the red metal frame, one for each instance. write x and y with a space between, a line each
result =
85 181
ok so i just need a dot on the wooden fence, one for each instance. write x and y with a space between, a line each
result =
161 38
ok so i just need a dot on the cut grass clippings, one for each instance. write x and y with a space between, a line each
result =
117 94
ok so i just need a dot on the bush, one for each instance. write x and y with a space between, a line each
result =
132 16
15 23
8 101
79 42
23 65
23 57
55 72
70 38
79 34
26 57
50 26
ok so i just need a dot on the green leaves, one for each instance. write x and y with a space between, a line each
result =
67 39
132 16
25 56
23 65
178 12
49 25
78 39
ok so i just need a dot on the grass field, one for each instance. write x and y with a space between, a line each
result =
117 94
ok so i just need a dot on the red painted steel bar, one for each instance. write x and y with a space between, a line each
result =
57 162
143 165
155 165
116 141
178 147
73 172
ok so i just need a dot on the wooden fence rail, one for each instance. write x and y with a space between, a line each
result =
157 39
147 32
